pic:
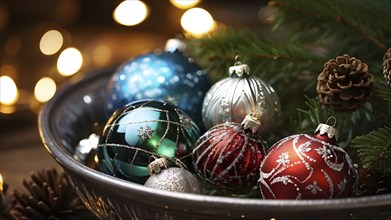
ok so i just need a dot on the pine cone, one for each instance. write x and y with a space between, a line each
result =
48 195
344 84
371 184
387 66
5 201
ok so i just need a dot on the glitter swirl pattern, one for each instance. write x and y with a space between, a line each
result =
305 167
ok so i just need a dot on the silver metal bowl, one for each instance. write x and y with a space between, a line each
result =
69 117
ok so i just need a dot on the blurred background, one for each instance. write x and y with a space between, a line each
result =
44 43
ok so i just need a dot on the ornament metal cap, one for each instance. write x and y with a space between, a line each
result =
157 165
252 121
331 132
239 69
175 44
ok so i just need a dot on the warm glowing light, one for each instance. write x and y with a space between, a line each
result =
44 89
96 159
1 183
9 70
101 55
51 42
130 12
197 21
184 4
69 61
8 91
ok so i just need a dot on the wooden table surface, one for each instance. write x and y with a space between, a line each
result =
21 153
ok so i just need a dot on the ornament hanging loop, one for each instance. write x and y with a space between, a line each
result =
331 118
237 60
238 69
180 164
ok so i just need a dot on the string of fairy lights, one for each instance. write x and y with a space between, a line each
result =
195 22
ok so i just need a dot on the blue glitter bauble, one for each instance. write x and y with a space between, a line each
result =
167 76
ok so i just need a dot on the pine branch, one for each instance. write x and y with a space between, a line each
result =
348 124
358 21
308 119
268 60
374 150
384 91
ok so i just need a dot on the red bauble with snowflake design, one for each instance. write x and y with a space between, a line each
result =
229 156
308 166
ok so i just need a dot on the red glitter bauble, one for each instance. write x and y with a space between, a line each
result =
228 156
306 166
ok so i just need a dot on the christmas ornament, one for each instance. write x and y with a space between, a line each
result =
232 98
344 84
172 179
48 195
387 66
228 155
142 130
306 166
85 151
167 76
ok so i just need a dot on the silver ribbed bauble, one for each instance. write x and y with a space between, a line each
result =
232 98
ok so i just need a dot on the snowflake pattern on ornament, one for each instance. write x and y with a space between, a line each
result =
302 150
283 159
145 133
324 152
313 187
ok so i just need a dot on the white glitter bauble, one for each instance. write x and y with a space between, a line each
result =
174 179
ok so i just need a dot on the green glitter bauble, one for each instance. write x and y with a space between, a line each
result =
141 131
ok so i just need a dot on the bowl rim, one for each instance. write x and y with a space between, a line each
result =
58 152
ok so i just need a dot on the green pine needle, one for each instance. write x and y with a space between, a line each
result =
374 150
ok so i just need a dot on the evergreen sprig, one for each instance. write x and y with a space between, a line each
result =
268 60
374 150
338 23
308 119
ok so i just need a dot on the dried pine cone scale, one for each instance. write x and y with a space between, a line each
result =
344 84
387 66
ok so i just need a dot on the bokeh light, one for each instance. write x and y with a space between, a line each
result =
197 21
130 12
184 4
44 89
8 91
51 42
69 61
